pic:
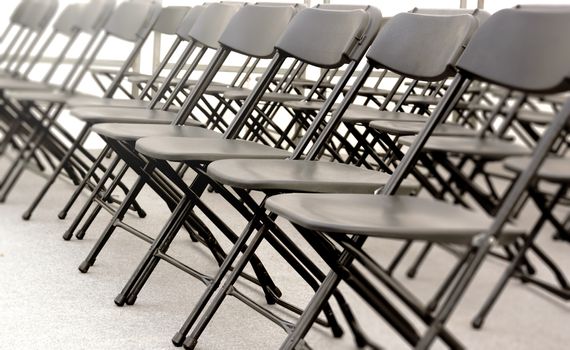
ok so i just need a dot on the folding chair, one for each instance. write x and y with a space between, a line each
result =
274 177
492 56
142 16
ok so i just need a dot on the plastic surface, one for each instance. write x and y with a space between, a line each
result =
424 47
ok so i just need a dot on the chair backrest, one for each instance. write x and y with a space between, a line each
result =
169 19
67 21
131 18
330 38
424 47
95 15
21 8
38 14
242 33
509 49
480 15
212 23
185 26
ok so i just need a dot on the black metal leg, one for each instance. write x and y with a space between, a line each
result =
63 162
69 233
119 214
63 213
179 337
192 340
100 202
150 260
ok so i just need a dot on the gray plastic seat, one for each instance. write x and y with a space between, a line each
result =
300 176
399 217
133 132
364 114
488 148
403 128
554 169
95 115
205 150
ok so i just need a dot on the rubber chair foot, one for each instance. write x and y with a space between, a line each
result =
477 323
178 340
131 300
120 301
190 344
84 267
67 235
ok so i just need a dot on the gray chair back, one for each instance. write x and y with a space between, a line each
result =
243 34
95 15
21 8
424 47
510 50
212 23
132 18
38 14
183 30
67 21
169 19
330 38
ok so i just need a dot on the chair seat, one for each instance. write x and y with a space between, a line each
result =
490 148
299 176
268 96
364 114
554 169
413 128
92 101
302 105
205 150
96 115
308 83
219 89
133 132
398 217
42 96
10 83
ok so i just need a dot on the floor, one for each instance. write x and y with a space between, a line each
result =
45 302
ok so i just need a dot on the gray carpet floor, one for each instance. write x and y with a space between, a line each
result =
46 303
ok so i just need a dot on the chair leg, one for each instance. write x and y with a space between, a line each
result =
63 213
150 260
518 259
81 214
192 340
179 337
19 165
119 214
63 162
